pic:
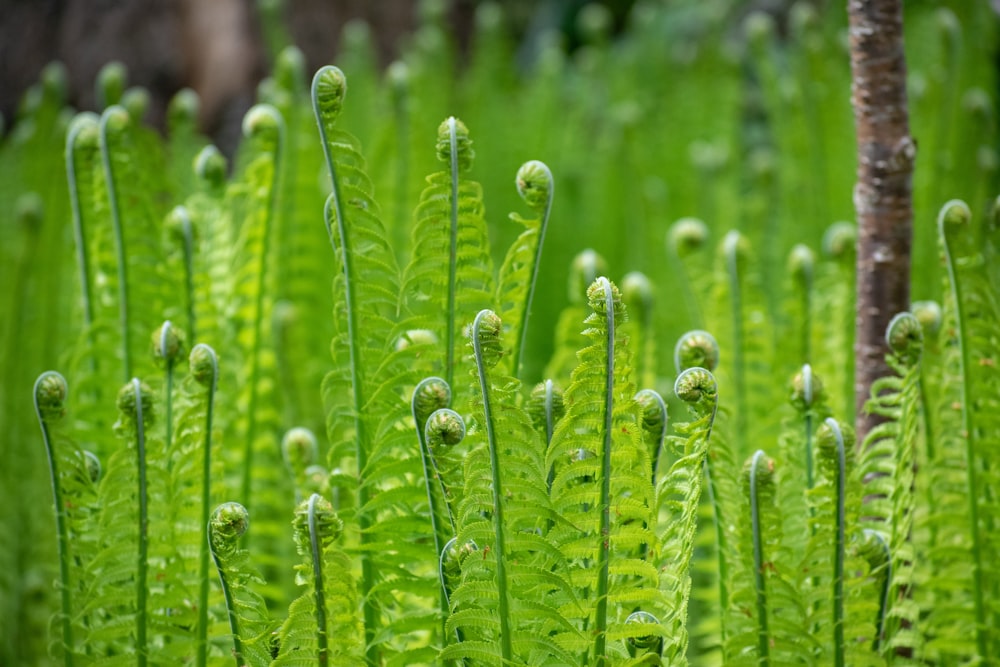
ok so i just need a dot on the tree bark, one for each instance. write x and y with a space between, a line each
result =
883 193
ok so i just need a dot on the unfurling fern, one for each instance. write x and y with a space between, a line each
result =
976 315
376 359
514 595
248 619
322 627
678 496
450 277
519 271
602 468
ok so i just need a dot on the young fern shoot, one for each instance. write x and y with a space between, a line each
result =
49 396
519 271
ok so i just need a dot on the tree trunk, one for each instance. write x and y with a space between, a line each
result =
882 195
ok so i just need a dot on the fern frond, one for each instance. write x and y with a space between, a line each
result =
519 271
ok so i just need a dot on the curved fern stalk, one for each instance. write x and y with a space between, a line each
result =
962 259
49 397
603 555
315 548
116 118
834 438
801 271
204 366
519 271
135 402
168 348
545 407
685 240
362 392
637 293
300 450
486 326
678 497
260 121
245 608
760 475
450 231
81 146
179 222
584 270
655 423
880 561
731 252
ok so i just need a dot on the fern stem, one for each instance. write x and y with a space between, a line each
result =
957 213
536 264
883 600
731 248
721 545
228 522
506 646
188 249
84 121
763 635
839 545
334 205
141 575
274 117
119 116
449 371
50 382
601 620
317 563
207 352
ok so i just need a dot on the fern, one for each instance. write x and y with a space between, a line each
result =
678 496
975 317
519 271
600 462
507 512
248 619
373 364
450 231
586 267
322 625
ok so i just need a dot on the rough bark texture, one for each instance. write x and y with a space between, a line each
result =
882 196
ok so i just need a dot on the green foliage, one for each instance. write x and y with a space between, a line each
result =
522 524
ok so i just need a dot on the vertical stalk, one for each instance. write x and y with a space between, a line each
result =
603 558
83 123
330 84
883 600
228 523
117 116
527 175
205 368
763 635
731 249
838 554
449 372
49 396
478 333
956 213
317 562
143 555
260 118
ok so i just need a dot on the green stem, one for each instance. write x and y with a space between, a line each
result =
206 480
883 601
973 492
736 305
526 306
140 584
61 531
188 250
258 318
334 206
234 622
317 558
82 256
603 558
116 113
838 554
763 635
506 647
452 256
721 544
